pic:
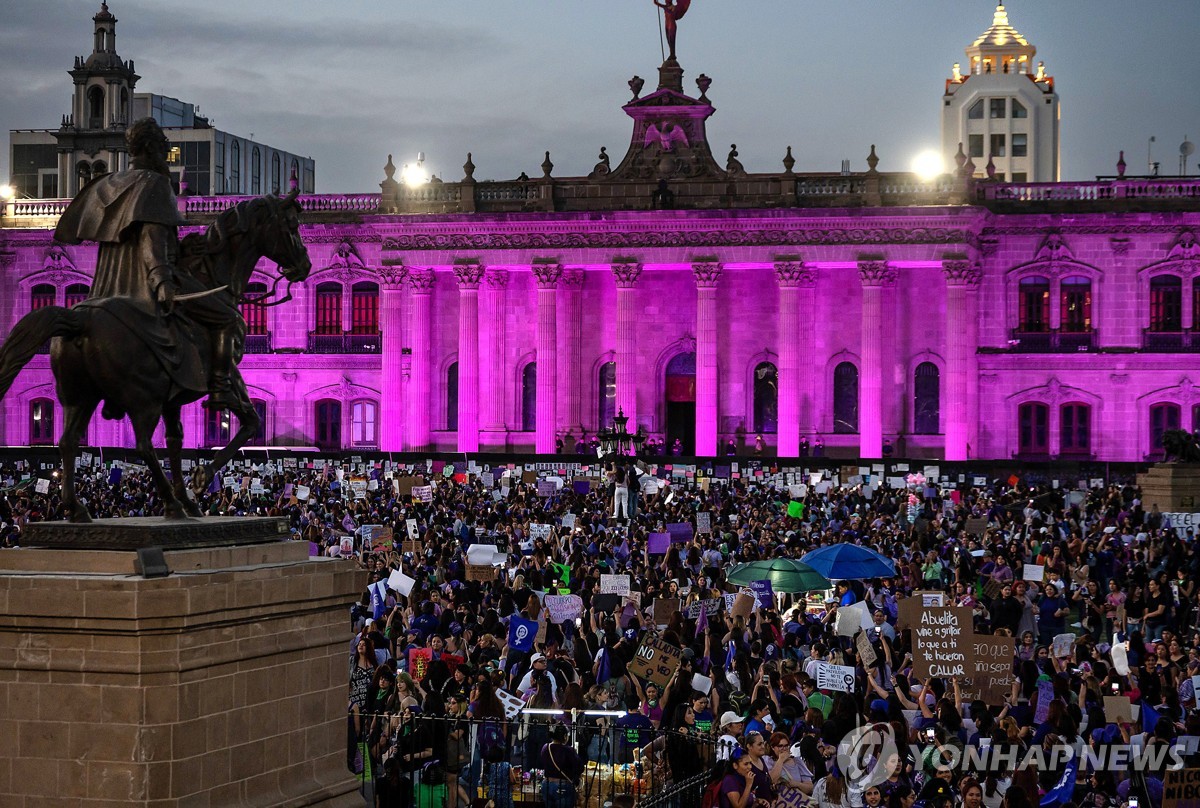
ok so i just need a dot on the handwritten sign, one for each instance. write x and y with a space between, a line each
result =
710 607
614 584
546 488
477 572
1045 695
1034 572
866 651
704 522
1181 788
991 667
564 608
834 677
938 647
664 610
422 493
656 661
539 531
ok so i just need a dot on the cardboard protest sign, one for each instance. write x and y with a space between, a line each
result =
656 661
664 610
481 572
564 608
866 651
743 605
614 584
834 677
1118 710
1181 788
991 666
939 649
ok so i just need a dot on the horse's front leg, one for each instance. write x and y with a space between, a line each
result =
76 420
248 424
173 425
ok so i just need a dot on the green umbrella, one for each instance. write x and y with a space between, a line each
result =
785 575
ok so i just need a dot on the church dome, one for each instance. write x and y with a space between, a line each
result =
1000 32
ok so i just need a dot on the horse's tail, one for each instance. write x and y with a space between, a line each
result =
29 334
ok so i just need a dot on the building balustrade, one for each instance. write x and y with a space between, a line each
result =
257 343
1170 341
346 343
1051 341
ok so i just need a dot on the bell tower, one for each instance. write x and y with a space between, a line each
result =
91 140
1003 108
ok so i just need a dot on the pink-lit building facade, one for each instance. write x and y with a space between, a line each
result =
956 318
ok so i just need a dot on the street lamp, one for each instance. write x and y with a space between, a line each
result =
618 441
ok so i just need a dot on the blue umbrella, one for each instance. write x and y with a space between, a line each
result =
849 562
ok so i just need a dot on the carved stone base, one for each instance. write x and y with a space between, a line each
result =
132 533
1173 487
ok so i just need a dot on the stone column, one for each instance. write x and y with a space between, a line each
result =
707 274
491 366
626 275
418 402
468 276
572 374
391 326
962 278
791 275
874 275
547 276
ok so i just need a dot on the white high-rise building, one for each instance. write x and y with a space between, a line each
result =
1003 108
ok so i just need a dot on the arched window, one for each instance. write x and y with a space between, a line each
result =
845 398
927 399
1166 303
364 308
41 422
1163 417
1076 303
452 398
766 398
294 172
529 398
606 401
95 105
329 308
1033 428
328 420
126 113
1076 430
1035 304
99 168
255 314
259 438
362 423
75 293
218 426
275 171
41 296
235 167
256 171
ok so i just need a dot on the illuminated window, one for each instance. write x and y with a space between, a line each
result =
259 438
1020 144
1076 303
976 110
1033 428
1018 109
364 308
606 403
41 296
766 398
529 398
328 424
452 398
1166 303
75 293
996 107
845 398
255 314
1163 418
1034 298
217 427
329 309
926 399
362 423
41 422
1076 432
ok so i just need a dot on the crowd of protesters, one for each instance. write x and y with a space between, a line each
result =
753 726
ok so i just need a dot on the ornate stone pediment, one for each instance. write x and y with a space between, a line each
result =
1184 248
1053 249
58 258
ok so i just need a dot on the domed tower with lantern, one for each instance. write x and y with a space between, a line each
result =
1003 108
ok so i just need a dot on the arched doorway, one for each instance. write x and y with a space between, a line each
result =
680 387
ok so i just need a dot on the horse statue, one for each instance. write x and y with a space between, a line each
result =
1181 446
96 358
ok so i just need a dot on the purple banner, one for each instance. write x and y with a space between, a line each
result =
681 532
582 487
658 543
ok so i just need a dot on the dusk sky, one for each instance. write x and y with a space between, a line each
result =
348 82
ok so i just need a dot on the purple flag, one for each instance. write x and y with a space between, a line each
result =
702 620
348 524
681 532
658 543
114 476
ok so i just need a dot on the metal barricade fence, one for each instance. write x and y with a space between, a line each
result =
443 762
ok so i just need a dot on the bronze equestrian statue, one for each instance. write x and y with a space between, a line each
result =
161 327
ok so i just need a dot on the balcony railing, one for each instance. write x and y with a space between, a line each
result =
258 343
1052 341
1170 341
345 343
1099 191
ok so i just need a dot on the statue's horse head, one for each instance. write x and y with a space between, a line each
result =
263 227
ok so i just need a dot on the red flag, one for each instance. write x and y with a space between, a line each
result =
1013 480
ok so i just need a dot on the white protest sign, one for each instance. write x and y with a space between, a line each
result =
704 522
1182 522
411 524
568 521
834 677
1120 657
614 584
701 683
539 531
480 555
302 493
42 486
1034 572
564 608
399 582
512 705
853 619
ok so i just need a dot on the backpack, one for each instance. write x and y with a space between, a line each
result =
711 797
492 745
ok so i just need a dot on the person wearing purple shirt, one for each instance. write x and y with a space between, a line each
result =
563 769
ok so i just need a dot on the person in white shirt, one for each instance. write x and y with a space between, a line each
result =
731 728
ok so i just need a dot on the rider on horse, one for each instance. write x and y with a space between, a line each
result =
134 216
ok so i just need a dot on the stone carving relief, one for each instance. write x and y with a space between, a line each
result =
58 259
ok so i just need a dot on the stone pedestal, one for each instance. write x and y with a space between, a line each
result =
1173 487
224 683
